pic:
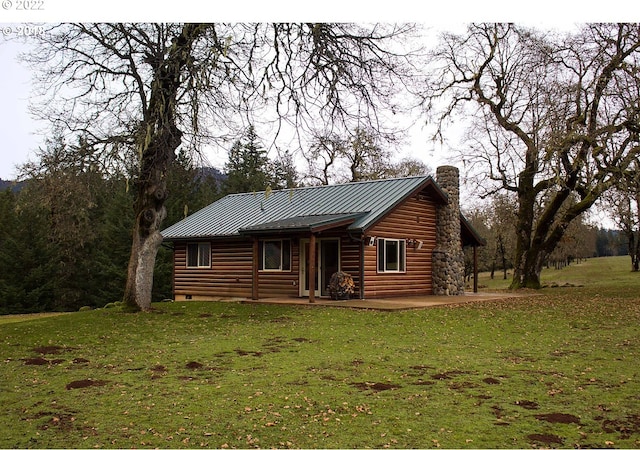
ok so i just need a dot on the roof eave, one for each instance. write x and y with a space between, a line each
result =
478 241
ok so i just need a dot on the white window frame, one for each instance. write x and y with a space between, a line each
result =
283 250
401 255
203 249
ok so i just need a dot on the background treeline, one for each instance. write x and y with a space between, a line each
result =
65 236
496 220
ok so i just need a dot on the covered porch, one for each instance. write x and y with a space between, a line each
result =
391 304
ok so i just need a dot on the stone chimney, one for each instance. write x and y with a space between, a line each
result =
448 257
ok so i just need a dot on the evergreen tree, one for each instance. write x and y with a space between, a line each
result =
247 168
28 261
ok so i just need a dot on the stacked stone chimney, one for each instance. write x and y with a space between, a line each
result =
448 257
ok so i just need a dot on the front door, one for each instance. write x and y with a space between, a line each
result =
327 263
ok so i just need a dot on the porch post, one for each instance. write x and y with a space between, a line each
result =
311 273
361 293
475 268
254 267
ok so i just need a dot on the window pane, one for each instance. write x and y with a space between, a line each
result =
391 255
286 255
381 255
192 255
402 252
272 255
204 257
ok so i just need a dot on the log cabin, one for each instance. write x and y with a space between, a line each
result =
395 237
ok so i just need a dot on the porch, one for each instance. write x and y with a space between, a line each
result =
391 304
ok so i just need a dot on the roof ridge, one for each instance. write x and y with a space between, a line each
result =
320 186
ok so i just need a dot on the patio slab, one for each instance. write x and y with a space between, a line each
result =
393 304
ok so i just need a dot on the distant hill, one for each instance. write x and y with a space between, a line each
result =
13 185
204 172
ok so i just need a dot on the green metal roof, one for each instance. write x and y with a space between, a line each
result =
357 205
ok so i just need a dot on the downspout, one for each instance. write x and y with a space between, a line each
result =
475 269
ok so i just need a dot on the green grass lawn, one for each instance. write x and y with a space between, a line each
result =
554 370
614 272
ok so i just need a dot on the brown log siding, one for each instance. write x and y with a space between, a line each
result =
231 273
415 219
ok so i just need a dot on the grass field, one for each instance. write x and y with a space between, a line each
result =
613 272
554 370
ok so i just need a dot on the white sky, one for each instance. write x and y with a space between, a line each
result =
19 133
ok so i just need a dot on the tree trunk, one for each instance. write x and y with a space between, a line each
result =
150 212
158 141
634 250
524 272
634 238
503 253
140 272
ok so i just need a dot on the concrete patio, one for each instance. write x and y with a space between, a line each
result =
392 304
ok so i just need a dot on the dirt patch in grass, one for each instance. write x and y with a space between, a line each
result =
558 418
301 339
545 439
241 352
526 404
490 380
62 421
275 344
159 368
205 315
448 375
497 411
41 361
36 362
80 361
194 365
627 427
81 384
375 386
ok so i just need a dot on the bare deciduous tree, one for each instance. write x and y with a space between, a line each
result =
138 92
554 116
363 155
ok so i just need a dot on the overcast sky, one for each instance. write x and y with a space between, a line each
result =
19 133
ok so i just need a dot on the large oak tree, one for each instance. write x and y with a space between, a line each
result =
139 92
555 120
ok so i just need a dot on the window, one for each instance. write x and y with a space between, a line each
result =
199 254
391 255
275 255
